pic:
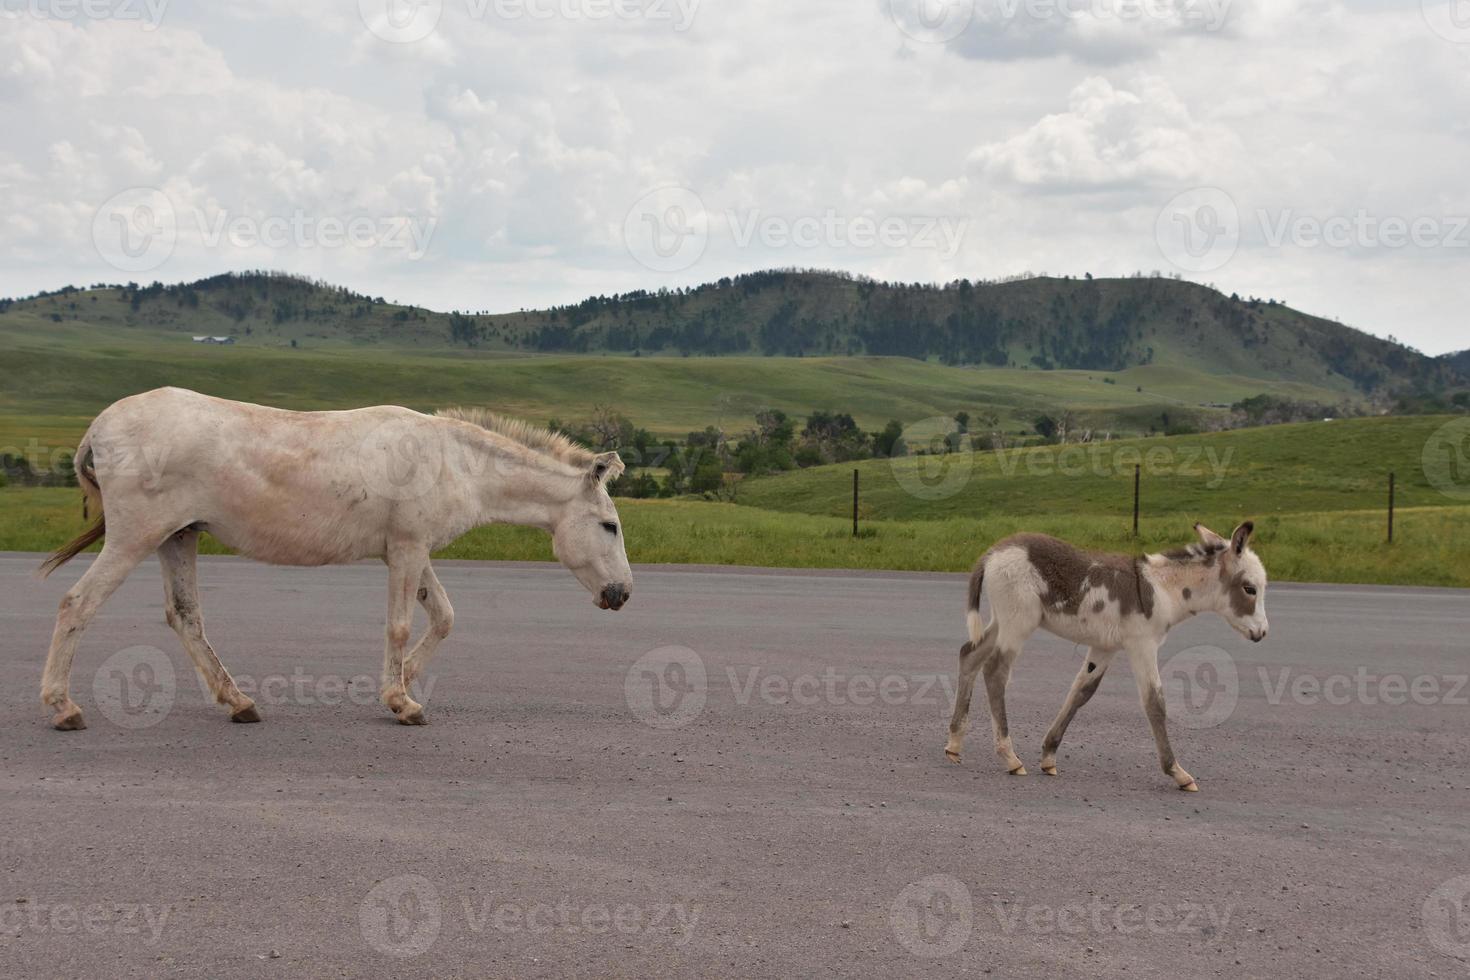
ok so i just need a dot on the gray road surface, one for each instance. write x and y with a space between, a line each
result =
773 802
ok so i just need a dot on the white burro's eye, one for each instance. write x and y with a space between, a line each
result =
1249 589
612 528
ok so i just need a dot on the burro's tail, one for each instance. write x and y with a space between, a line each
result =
972 615
91 501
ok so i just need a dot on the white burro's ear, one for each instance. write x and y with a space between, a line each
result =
607 466
1242 537
1208 537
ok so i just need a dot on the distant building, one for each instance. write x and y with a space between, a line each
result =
214 340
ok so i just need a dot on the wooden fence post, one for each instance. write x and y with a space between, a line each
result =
1137 476
1390 507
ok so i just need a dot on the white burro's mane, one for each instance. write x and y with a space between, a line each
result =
534 437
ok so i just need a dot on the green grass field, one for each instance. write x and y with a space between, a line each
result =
1320 547
1319 467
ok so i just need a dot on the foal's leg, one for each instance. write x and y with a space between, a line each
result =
177 556
441 620
972 657
80 604
1084 686
1145 663
406 566
997 670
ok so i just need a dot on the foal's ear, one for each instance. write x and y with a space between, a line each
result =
1242 537
605 467
1209 538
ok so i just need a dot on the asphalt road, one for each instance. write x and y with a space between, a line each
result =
771 800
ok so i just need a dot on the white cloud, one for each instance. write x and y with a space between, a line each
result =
1057 138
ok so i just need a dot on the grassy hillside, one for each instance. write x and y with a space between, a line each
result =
58 377
1088 325
1220 478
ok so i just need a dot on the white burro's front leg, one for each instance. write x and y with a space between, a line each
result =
406 564
1143 657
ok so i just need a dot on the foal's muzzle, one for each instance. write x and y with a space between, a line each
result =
614 596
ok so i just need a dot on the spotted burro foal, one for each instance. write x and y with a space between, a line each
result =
1108 603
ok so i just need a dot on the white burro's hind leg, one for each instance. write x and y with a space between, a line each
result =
78 607
406 564
1144 659
441 620
1084 686
177 558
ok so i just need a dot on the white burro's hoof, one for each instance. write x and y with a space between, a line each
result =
1018 771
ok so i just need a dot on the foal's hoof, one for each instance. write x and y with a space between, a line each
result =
1018 771
1049 770
416 717
246 716
1190 787
952 756
71 721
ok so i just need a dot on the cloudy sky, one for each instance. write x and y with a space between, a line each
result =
499 154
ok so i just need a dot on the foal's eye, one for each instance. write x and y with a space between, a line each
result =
1249 589
610 528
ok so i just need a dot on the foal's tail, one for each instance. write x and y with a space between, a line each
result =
91 500
972 616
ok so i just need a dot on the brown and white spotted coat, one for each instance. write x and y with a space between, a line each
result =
1107 603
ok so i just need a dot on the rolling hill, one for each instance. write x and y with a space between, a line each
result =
1036 324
